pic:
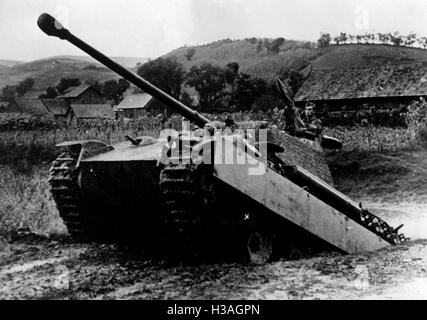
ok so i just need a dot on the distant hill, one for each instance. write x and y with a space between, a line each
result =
9 63
253 55
46 72
253 58
127 62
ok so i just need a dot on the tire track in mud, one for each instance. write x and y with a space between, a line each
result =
66 270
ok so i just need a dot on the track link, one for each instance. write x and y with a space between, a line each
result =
67 196
187 194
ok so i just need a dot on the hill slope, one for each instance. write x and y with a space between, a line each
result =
127 62
9 63
252 58
48 71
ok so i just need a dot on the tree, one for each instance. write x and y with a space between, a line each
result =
113 90
165 73
246 90
50 93
209 82
24 86
66 83
324 40
94 84
396 38
337 40
343 37
8 92
259 46
231 72
186 99
267 45
410 39
190 53
275 45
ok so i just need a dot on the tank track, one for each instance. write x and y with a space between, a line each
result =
186 194
381 228
66 193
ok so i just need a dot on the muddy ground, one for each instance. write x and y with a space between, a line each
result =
55 267
42 268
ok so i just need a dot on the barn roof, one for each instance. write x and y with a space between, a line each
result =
33 94
358 82
74 92
32 106
134 101
59 107
92 111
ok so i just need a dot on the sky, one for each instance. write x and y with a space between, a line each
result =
151 28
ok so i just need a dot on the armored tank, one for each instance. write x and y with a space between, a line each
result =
221 186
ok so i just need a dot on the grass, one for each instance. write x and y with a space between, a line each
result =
25 201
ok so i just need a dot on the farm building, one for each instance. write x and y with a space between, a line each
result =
83 94
354 82
385 87
33 94
138 105
91 112
28 106
58 107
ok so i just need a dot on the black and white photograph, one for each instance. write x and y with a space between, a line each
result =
217 150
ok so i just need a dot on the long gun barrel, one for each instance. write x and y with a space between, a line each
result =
52 27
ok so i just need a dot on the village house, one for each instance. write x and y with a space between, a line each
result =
358 92
28 106
83 94
58 107
137 105
90 112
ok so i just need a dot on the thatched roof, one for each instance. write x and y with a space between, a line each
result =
378 81
74 92
92 111
134 101
32 106
59 107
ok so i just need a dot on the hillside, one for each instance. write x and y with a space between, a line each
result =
127 62
296 55
252 55
247 53
48 71
9 63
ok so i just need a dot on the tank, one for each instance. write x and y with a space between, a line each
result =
245 188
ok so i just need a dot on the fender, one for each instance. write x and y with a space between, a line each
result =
85 148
